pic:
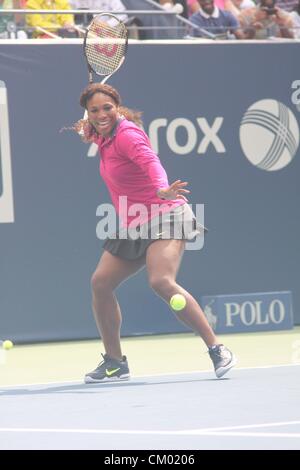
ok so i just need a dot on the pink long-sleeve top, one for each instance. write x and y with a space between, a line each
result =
133 174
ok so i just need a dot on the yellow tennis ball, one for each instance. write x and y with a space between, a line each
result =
7 344
177 302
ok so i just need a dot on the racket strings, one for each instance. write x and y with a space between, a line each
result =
105 46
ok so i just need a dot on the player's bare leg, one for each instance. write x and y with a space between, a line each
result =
163 261
109 274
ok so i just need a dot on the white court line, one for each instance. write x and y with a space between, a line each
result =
252 434
246 426
272 366
221 431
169 374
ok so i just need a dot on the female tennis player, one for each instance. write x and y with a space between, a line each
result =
131 169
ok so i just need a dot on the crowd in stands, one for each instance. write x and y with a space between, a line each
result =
51 25
259 21
9 22
240 19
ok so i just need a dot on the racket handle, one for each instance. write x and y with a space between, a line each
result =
105 79
81 131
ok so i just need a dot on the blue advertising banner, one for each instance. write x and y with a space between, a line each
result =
6 195
245 313
223 117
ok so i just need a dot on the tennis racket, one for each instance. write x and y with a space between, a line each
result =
105 46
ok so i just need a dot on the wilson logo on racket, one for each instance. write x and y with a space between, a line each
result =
109 50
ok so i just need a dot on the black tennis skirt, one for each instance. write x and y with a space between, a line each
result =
178 224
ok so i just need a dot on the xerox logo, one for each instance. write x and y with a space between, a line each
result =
199 134
269 135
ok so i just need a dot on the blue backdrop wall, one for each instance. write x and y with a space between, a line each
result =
213 112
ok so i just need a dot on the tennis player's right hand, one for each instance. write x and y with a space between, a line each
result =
175 191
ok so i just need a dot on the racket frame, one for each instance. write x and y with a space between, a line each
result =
90 68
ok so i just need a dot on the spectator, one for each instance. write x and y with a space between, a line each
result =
168 4
61 25
295 15
266 20
243 4
215 20
104 5
184 6
228 5
287 5
10 22
165 2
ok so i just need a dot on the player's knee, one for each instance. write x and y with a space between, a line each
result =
99 282
160 284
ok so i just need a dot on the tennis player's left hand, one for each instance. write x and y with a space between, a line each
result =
175 191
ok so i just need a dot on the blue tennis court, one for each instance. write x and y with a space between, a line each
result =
254 408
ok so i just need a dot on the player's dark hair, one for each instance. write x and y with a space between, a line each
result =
93 88
84 128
